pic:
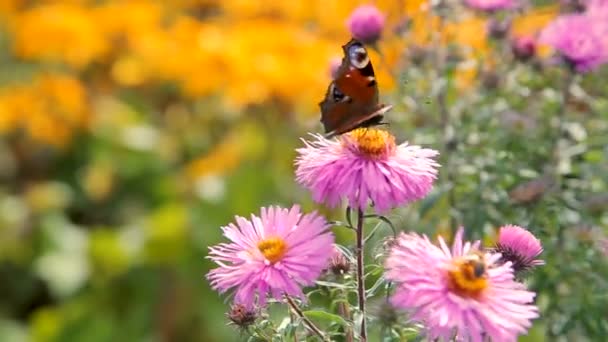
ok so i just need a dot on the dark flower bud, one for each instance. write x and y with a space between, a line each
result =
240 316
573 5
490 79
339 263
523 47
418 54
498 29
454 55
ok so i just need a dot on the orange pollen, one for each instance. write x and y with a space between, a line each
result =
373 142
468 278
273 249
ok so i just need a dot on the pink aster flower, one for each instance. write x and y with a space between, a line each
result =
520 247
366 23
597 8
365 165
459 291
491 5
275 254
581 40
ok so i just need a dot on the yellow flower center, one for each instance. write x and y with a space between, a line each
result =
372 142
468 278
273 249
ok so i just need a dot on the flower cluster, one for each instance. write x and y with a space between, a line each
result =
466 292
50 109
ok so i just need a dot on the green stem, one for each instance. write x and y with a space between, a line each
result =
360 274
344 310
305 319
440 61
557 151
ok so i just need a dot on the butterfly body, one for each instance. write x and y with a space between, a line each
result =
351 100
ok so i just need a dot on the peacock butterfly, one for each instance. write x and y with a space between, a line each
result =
351 100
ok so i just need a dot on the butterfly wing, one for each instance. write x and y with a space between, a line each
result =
351 99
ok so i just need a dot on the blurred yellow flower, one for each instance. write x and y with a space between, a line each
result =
222 49
533 21
48 109
8 8
469 33
48 196
223 158
98 180
129 71
59 32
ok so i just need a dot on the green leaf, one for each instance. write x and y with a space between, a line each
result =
332 284
372 291
326 317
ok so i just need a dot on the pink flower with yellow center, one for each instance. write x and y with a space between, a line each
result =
460 292
274 254
363 166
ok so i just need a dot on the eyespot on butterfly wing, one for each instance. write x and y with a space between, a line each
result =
351 100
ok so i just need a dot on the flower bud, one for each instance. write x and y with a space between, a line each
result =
240 316
490 79
520 247
339 263
418 54
573 5
523 47
498 29
366 23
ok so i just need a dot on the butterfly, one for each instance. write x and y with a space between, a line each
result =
351 100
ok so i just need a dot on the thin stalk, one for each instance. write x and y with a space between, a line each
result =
292 318
561 114
440 61
344 310
260 332
557 151
360 274
305 319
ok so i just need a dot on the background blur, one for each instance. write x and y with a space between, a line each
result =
132 130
